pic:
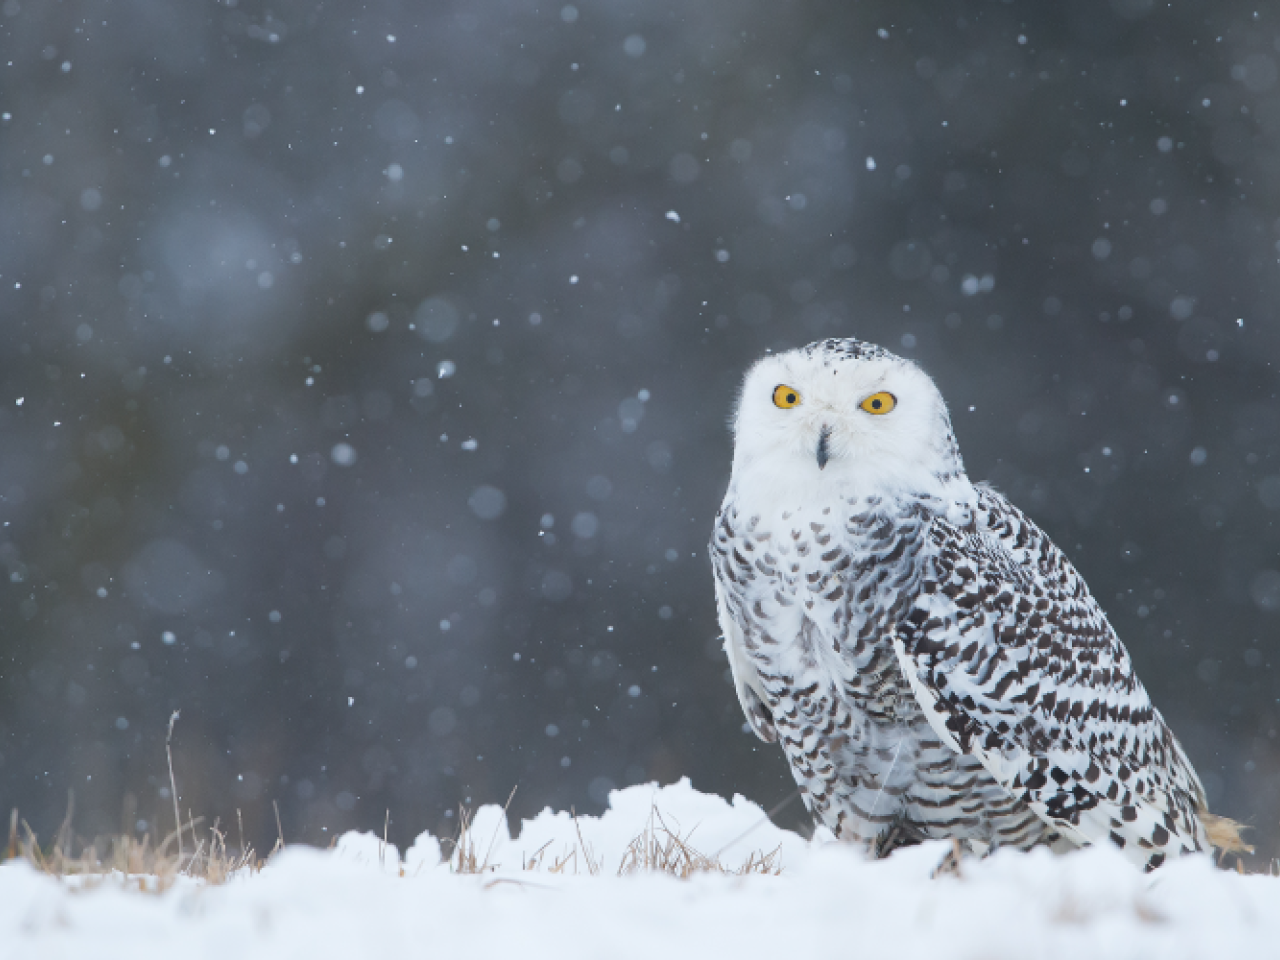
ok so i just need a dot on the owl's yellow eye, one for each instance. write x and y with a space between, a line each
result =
881 402
785 397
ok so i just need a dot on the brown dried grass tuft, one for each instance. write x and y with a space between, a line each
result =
466 858
660 849
154 866
151 867
1224 833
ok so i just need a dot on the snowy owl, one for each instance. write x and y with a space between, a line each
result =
931 663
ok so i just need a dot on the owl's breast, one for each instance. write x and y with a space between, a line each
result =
817 593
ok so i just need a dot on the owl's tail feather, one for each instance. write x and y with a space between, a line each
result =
1224 833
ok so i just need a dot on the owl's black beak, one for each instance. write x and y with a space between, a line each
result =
823 453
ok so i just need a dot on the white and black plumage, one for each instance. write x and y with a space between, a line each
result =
930 662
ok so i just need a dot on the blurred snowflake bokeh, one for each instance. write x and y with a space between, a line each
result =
364 371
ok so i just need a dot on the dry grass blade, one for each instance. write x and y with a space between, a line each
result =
173 835
768 817
62 841
592 867
173 785
561 864
535 859
279 830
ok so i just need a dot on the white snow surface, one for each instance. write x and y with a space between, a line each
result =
362 899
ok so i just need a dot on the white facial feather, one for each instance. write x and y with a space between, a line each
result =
910 449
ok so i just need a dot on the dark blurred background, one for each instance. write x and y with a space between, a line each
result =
364 371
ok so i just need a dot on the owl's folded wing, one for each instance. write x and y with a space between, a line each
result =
745 679
1013 661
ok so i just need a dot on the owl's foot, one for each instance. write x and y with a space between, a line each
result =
897 835
950 865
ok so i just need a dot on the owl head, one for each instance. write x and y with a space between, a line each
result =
843 413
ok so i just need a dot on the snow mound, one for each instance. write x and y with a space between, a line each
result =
568 887
675 820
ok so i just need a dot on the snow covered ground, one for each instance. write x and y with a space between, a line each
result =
555 891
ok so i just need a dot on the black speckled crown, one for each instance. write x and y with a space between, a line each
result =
847 348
